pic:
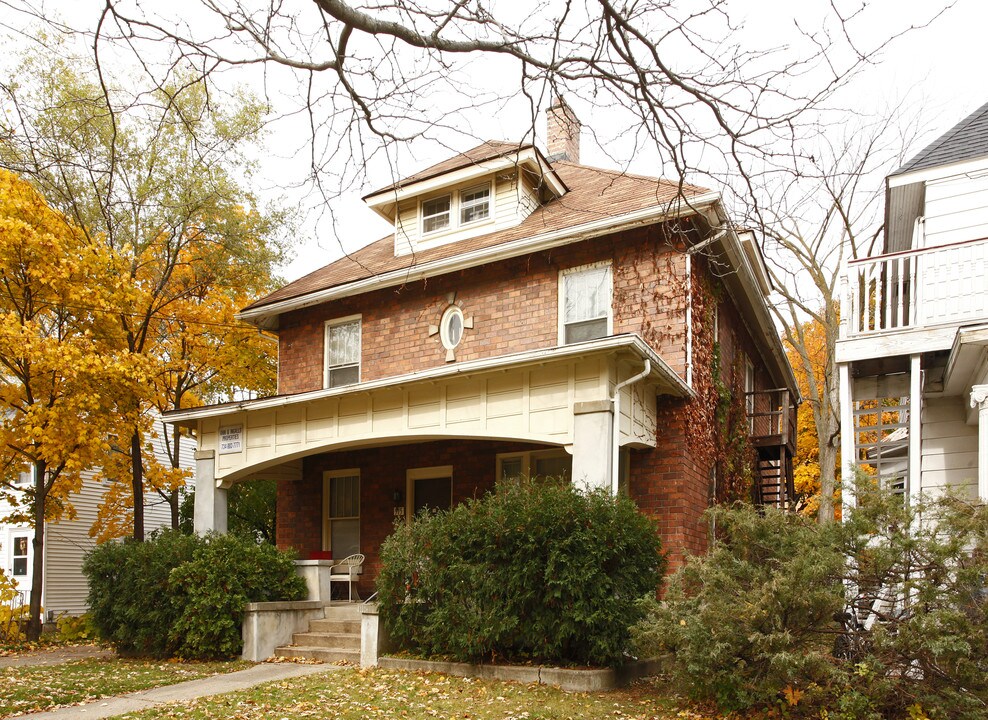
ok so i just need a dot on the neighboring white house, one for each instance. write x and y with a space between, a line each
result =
913 350
66 542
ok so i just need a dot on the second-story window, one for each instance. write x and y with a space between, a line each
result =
435 214
475 204
343 352
585 303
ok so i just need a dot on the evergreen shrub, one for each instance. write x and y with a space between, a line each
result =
183 595
881 617
535 571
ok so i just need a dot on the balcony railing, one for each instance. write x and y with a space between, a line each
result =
772 417
945 285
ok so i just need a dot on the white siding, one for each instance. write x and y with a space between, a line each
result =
956 209
512 200
68 541
949 447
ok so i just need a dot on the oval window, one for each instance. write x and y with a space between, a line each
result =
451 327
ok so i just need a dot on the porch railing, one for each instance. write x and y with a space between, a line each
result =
943 285
772 414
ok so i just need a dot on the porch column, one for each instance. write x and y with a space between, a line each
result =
210 509
592 444
849 459
979 400
915 464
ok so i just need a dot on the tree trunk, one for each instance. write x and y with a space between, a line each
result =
175 455
137 482
38 546
828 466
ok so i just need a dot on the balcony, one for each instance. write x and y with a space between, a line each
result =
912 301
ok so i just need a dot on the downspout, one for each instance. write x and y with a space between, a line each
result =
616 424
689 320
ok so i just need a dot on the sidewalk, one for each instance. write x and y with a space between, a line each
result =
190 690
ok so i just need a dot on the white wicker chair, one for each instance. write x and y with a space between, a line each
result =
347 570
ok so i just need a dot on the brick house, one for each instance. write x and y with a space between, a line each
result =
529 315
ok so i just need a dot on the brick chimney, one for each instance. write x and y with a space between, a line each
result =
562 132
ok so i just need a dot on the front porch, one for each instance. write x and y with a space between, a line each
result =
352 461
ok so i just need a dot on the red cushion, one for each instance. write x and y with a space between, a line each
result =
321 555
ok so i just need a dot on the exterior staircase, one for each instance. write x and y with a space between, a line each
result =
335 638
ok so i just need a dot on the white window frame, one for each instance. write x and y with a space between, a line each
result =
449 214
327 521
424 473
451 311
528 458
325 344
463 205
561 300
456 206
14 556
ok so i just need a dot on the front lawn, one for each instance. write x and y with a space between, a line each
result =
348 694
33 689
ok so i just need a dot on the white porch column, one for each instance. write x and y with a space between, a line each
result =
210 508
979 400
848 456
592 444
915 464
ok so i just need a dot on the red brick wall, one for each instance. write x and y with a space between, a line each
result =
513 304
670 484
382 471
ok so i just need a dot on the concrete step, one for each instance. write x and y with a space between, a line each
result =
335 626
336 641
319 653
346 612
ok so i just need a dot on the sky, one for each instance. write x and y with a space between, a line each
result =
936 73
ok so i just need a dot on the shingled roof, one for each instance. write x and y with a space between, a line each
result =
485 151
594 194
967 140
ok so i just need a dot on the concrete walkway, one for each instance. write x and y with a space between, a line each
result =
55 656
190 690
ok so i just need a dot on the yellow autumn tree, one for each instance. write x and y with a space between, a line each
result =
156 178
59 375
806 464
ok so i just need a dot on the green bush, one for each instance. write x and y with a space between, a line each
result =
535 571
129 597
226 572
775 614
74 629
183 595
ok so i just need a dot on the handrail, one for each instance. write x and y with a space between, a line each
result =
915 252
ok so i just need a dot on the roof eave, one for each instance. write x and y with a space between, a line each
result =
266 316
661 375
384 202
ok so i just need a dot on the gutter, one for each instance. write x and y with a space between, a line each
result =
612 343
503 251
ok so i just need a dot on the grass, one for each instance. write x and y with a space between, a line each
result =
349 694
33 689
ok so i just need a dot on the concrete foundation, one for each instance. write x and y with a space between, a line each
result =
316 576
268 625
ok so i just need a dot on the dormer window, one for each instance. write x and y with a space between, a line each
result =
455 210
435 214
475 204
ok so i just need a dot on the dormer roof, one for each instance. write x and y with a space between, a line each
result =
598 202
489 157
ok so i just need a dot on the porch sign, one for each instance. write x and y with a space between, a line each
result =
231 439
